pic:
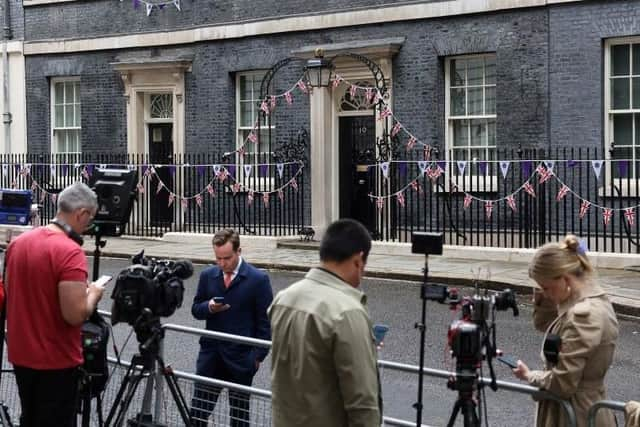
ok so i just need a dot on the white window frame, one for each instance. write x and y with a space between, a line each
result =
470 182
253 182
54 128
627 185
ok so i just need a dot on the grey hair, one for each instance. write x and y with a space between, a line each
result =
77 196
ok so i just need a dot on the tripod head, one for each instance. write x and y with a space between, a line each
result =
149 334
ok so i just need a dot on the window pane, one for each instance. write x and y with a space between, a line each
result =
76 91
475 101
458 154
59 93
457 102
478 133
620 94
68 92
637 127
491 132
490 100
68 115
457 72
636 93
622 129
76 114
620 153
245 88
478 155
620 60
59 115
636 59
490 70
245 114
76 141
460 133
257 81
475 70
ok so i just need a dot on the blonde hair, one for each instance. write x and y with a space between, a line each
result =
556 259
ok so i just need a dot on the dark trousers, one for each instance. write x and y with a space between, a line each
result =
48 397
205 396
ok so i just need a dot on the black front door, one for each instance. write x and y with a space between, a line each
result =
357 150
161 152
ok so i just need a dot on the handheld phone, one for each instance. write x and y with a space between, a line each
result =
103 280
218 300
379 332
508 360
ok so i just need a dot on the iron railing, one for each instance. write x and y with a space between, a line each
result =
179 192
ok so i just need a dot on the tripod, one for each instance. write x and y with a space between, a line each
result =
149 333
466 382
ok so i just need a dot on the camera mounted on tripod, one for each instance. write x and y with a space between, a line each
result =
149 288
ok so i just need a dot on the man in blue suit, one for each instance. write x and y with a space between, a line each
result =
246 293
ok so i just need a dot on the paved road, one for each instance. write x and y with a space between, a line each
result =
398 304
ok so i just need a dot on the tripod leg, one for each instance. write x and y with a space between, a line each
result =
121 404
469 413
176 393
454 413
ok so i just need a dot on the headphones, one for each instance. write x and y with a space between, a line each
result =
68 230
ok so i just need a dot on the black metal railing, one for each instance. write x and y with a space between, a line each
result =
197 192
438 204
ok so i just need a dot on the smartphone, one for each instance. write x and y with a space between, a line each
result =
379 332
508 360
218 300
103 280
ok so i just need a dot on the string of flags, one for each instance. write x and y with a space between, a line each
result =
221 173
544 171
148 6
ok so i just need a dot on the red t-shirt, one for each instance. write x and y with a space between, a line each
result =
38 337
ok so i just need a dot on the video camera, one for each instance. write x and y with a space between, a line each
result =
150 287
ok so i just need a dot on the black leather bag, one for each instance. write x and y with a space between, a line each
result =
95 337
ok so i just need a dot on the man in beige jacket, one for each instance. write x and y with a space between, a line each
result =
324 365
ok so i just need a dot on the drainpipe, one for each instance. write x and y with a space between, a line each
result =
6 116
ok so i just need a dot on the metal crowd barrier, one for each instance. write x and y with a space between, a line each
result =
593 411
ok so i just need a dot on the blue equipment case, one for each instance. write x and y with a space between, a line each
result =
15 206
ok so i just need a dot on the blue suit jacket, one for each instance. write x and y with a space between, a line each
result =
249 296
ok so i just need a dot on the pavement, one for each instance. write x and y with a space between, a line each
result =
623 286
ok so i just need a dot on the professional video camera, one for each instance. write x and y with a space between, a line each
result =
149 287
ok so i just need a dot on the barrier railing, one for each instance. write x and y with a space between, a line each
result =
593 411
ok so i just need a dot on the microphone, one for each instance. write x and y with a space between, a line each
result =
183 268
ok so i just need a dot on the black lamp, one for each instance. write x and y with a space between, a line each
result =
318 70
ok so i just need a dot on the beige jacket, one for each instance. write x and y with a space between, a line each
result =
324 362
632 414
588 328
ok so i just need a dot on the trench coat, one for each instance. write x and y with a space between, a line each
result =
632 414
588 328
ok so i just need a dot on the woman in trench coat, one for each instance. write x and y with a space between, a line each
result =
571 305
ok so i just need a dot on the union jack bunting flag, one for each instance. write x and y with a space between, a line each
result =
302 86
199 200
159 188
416 186
511 201
210 190
368 93
85 173
529 189
584 207
336 82
467 200
250 197
400 197
184 202
273 102
288 97
630 215
281 195
172 197
427 152
606 216
264 107
488 208
294 184
140 188
34 185
252 137
235 188
352 91
380 203
564 190
265 199
396 128
386 112
544 174
434 173
43 196
412 141
223 175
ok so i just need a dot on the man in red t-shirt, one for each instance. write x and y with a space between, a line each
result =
48 299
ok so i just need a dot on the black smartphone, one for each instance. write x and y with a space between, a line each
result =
508 360
218 300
